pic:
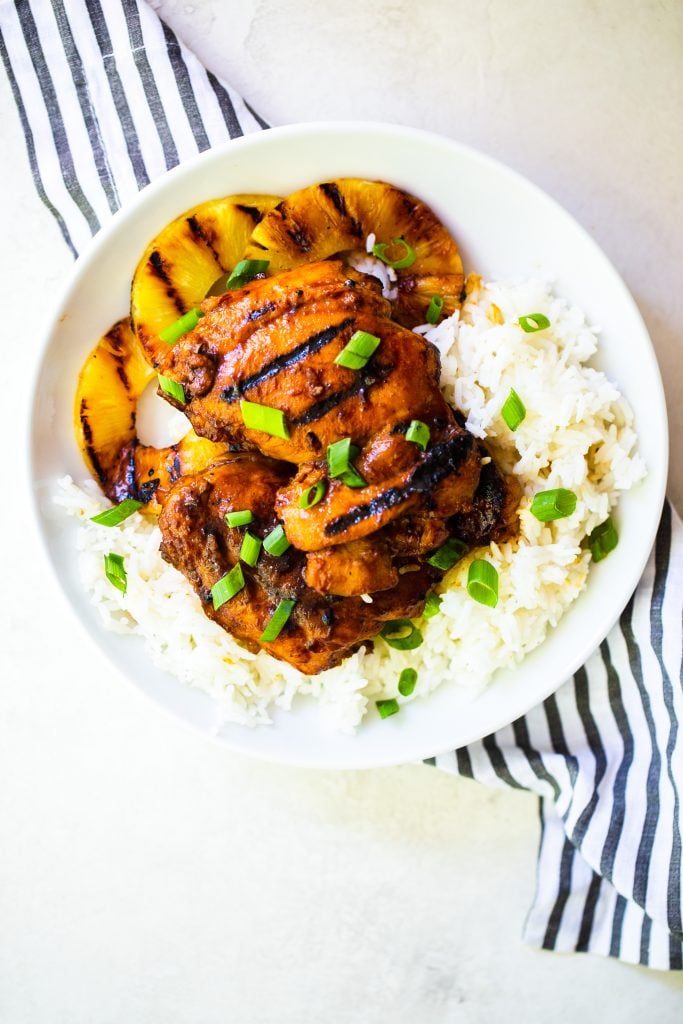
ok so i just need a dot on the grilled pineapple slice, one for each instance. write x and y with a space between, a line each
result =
337 216
181 264
109 385
110 382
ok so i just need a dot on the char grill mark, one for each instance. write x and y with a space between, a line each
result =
256 314
198 232
251 211
315 343
156 264
365 379
441 461
331 191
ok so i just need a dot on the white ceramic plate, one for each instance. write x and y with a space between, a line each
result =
505 227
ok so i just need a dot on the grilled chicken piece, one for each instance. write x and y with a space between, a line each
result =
274 343
347 570
493 515
321 631
324 220
442 480
180 265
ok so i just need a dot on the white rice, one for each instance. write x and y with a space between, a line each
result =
577 434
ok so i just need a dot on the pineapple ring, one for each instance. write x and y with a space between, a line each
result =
337 216
111 380
181 263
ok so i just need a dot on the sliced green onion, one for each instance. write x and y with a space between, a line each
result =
276 542
227 586
115 571
183 325
434 309
313 494
603 539
380 248
117 514
264 418
173 388
432 605
556 504
482 582
242 518
513 410
339 465
418 433
251 549
352 478
387 708
402 634
406 681
277 622
357 350
450 552
245 271
339 456
533 322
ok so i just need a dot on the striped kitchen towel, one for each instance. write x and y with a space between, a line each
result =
108 99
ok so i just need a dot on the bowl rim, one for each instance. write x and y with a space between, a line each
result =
166 182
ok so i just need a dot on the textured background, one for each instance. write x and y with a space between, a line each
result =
147 875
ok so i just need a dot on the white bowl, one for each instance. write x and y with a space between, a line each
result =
505 227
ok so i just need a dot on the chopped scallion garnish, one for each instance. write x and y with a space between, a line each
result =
115 571
533 322
242 518
402 634
117 514
339 464
513 410
183 325
227 586
250 549
245 271
418 433
276 542
482 582
313 494
556 504
450 552
339 456
352 478
406 681
432 605
264 418
406 260
172 388
434 309
603 539
357 350
387 708
277 622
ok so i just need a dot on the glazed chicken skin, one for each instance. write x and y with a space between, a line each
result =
321 631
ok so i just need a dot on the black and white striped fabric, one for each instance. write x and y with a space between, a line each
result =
109 99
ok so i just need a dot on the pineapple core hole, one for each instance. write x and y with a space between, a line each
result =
157 423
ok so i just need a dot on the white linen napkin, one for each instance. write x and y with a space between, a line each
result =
109 99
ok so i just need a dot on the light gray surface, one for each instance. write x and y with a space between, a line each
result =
147 875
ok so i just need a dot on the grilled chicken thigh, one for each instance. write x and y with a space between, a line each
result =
274 343
197 540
